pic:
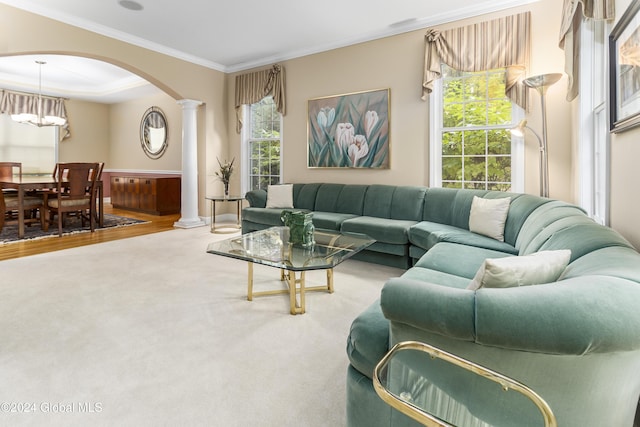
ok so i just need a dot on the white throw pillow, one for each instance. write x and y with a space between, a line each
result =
488 216
280 196
540 267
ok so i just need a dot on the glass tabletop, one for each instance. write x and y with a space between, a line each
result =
271 247
439 389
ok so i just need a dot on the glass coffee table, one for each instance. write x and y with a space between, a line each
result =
271 247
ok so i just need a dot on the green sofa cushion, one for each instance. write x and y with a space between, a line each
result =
368 339
583 238
327 197
407 203
458 260
304 196
427 234
522 205
436 277
540 218
382 229
330 220
378 200
351 199
449 206
614 261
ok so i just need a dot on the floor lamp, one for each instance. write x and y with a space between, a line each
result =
541 83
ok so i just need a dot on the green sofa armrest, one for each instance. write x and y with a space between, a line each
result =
440 309
578 316
257 198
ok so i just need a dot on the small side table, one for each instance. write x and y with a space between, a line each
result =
225 228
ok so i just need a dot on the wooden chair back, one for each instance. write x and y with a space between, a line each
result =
9 169
78 178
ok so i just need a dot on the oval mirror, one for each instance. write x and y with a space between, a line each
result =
154 133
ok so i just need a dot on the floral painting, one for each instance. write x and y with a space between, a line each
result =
349 131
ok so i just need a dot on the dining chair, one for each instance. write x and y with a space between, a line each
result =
75 192
9 205
7 171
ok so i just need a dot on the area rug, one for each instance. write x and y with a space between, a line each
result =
72 225
154 331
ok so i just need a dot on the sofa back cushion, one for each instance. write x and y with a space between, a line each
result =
407 203
351 199
544 221
378 200
449 206
583 238
522 205
304 196
327 197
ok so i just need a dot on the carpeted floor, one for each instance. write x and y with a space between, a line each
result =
153 331
9 233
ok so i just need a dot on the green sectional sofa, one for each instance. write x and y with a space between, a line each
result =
383 212
574 340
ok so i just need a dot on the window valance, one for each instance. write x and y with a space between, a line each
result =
252 87
572 15
499 43
17 103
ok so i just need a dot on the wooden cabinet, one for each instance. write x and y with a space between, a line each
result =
154 195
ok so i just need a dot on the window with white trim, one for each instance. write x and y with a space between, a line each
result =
471 146
593 134
262 145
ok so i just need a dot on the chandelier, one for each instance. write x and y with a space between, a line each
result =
45 112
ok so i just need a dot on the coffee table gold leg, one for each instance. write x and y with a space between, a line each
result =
293 283
330 280
302 292
292 292
250 282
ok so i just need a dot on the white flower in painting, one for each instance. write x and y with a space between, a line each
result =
358 149
344 135
370 121
326 116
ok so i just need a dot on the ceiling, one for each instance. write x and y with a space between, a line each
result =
223 35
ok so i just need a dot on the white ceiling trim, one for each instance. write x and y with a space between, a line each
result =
402 27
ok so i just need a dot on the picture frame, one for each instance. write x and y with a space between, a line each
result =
349 130
624 71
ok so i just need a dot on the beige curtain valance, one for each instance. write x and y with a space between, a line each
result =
499 43
252 87
27 103
572 15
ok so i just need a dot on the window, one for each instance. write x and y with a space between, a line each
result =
593 135
35 147
262 145
471 146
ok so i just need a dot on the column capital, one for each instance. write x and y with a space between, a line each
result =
189 103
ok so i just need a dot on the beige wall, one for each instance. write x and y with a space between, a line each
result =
625 180
396 63
90 128
125 151
25 33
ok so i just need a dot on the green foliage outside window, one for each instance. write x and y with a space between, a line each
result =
264 145
476 144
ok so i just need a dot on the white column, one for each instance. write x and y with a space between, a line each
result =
189 207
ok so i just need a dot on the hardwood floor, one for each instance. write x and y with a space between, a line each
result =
33 247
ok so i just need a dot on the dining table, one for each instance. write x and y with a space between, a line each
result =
36 182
